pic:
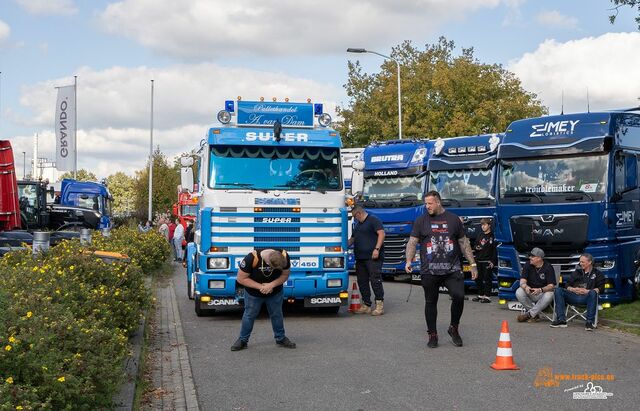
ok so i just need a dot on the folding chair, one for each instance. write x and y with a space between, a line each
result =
573 311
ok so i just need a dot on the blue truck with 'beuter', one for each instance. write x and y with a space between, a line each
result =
569 184
394 182
462 170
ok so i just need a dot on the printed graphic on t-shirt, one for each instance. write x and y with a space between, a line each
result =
439 247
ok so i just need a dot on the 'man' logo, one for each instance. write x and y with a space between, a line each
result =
554 128
547 232
389 157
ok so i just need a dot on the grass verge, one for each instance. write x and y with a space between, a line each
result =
625 317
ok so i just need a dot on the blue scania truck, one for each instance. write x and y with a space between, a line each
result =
392 189
270 179
569 184
462 170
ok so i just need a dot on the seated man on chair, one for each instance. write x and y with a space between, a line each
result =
583 288
536 286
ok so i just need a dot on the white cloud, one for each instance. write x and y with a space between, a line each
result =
206 29
5 31
607 65
514 13
60 7
114 108
555 19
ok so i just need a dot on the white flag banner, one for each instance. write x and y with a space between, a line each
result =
65 128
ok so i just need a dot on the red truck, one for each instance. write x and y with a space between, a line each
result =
186 208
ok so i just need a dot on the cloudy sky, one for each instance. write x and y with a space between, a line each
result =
202 52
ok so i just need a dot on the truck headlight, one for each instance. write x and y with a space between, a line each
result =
504 263
333 262
334 282
216 283
218 263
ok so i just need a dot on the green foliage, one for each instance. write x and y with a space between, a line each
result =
65 318
165 186
121 188
443 95
82 175
620 3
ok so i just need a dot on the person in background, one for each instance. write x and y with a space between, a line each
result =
164 228
172 229
486 257
178 236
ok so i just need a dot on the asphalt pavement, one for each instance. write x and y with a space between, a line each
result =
351 362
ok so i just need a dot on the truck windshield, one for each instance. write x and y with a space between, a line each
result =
275 168
462 185
566 179
84 200
190 210
392 188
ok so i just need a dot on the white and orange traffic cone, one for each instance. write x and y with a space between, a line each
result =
504 356
355 303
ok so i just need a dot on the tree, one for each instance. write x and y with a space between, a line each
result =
165 183
620 3
82 175
442 96
121 187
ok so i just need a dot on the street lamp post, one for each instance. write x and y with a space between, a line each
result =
24 165
360 50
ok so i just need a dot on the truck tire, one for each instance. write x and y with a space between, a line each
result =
199 311
190 288
635 292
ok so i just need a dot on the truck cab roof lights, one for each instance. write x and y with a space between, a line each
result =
229 105
324 120
318 109
224 117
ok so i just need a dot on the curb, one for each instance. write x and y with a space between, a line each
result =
606 321
125 398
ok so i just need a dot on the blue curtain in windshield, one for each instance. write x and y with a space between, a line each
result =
275 168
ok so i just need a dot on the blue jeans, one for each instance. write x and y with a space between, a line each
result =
563 296
252 307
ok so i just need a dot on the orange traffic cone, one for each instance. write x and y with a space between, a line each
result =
504 356
355 298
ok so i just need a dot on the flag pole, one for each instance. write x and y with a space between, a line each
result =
151 158
75 123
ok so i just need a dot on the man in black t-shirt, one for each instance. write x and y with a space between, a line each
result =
537 282
368 249
262 273
442 240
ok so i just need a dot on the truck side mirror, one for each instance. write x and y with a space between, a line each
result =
357 182
186 174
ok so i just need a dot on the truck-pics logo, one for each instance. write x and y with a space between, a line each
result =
388 157
554 128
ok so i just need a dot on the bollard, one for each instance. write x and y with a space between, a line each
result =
40 241
106 232
85 236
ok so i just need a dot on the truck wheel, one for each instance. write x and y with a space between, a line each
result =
190 288
635 293
199 311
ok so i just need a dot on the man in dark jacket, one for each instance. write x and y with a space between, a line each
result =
583 288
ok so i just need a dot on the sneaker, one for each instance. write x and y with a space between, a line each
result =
455 336
364 309
534 319
523 317
558 324
589 327
239 345
433 340
477 299
485 300
286 343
